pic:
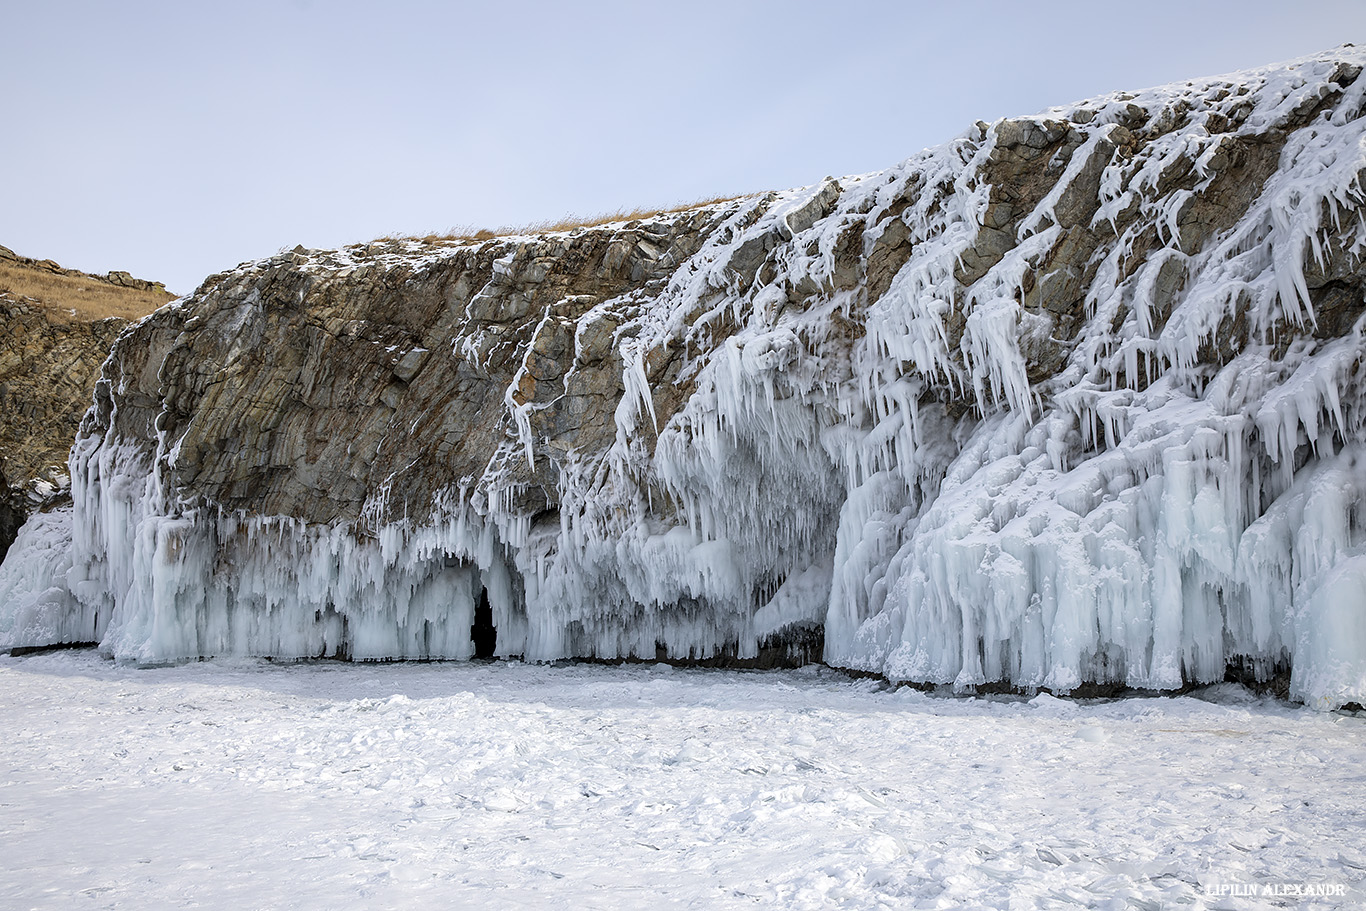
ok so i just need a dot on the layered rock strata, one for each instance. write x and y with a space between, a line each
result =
1072 399
48 365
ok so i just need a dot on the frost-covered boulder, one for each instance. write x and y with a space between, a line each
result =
1074 398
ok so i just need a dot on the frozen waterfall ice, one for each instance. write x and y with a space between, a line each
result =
1075 398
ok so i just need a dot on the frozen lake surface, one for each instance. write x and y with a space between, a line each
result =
501 785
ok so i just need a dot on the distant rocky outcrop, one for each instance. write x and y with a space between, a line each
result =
51 348
1074 399
121 279
48 366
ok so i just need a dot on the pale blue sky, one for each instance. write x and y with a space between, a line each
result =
177 139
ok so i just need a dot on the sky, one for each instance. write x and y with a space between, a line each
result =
174 140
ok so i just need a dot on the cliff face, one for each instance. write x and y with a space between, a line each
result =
56 328
48 365
1073 398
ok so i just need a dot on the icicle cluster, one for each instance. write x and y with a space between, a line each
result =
1071 399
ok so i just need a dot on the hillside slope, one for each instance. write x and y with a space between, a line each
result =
1074 398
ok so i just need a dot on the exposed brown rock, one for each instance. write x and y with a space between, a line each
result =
297 391
48 366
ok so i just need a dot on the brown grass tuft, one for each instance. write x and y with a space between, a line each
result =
550 226
90 297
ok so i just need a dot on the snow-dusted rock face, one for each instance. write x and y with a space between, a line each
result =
1073 398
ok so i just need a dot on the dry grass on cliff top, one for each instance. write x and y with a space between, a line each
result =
551 226
90 298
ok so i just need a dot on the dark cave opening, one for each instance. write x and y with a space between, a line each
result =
484 634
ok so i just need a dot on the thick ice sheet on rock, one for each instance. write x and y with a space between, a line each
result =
1102 438
187 585
36 606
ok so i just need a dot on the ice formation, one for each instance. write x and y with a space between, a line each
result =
38 607
1072 398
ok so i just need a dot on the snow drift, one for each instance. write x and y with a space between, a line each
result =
1072 398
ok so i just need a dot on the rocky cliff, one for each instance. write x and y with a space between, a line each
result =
1074 398
48 364
57 325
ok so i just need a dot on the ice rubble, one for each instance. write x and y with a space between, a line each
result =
1182 491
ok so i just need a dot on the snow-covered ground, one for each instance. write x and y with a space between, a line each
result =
256 785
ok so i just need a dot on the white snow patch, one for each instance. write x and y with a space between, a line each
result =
459 785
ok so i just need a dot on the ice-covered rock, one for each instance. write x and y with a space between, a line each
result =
1072 398
38 607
